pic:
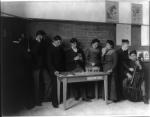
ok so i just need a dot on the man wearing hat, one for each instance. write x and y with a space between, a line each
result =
122 65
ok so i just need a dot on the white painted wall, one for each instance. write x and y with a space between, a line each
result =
81 10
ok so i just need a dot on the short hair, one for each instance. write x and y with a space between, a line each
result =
111 43
95 40
56 38
73 40
40 32
125 41
133 52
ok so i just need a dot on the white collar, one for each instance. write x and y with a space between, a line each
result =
74 49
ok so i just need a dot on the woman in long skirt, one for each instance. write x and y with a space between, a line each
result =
109 59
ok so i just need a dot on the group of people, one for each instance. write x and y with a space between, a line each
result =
50 58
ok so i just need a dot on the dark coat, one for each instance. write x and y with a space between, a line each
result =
37 53
122 66
55 58
93 56
71 64
123 61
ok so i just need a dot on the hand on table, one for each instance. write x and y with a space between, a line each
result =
56 73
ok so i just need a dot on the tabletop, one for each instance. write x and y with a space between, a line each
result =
80 74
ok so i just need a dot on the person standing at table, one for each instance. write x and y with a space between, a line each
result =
109 61
75 58
122 66
55 62
93 54
93 59
75 62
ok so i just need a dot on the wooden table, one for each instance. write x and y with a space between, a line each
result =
81 77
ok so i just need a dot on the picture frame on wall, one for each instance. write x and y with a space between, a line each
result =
112 11
136 13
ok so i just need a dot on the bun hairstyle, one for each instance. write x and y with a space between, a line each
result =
111 43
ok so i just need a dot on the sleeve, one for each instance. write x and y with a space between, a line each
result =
124 63
35 56
141 65
63 58
51 67
102 59
87 55
69 57
114 55
82 62
126 67
83 57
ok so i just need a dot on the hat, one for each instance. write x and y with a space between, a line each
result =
125 41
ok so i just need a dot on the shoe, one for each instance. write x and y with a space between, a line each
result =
87 99
115 101
55 105
46 100
77 98
145 100
90 97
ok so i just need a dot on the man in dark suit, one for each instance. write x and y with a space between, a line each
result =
55 62
122 65
37 53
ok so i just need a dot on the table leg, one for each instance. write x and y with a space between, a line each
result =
58 90
64 92
106 88
96 90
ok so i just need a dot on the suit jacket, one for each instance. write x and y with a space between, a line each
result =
123 61
93 56
109 60
55 58
37 54
71 64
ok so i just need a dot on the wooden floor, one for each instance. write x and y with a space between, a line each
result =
96 107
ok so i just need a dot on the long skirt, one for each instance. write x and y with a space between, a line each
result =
112 93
